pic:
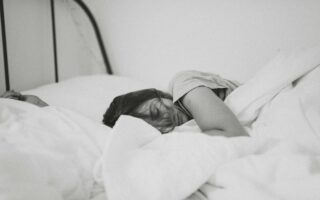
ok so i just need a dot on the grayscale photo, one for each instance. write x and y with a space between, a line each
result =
159 100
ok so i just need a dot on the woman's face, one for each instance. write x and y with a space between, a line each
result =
162 114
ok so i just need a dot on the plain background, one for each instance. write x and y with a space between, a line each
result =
150 40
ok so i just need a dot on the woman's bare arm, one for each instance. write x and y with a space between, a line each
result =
211 114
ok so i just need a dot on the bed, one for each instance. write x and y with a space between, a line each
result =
63 151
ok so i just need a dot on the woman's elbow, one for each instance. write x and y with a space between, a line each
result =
226 132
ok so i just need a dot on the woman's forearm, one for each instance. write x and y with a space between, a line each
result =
211 114
215 132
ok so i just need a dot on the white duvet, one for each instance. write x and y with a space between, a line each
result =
280 108
47 153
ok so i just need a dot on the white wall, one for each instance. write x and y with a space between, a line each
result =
28 40
152 39
78 50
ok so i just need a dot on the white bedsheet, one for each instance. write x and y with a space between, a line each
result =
47 153
281 159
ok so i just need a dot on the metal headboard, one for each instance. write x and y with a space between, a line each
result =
93 22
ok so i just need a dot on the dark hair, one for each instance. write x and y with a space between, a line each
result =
127 104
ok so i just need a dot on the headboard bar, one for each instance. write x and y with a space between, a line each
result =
4 47
98 34
54 39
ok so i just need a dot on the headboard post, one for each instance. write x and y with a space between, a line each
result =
54 40
4 47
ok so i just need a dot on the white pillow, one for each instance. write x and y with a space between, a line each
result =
88 95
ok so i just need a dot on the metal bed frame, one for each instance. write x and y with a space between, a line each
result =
93 22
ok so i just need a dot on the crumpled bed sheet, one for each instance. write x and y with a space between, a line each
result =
47 153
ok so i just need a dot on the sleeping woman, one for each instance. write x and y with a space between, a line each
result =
194 95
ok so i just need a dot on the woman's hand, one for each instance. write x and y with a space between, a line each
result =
211 114
27 98
11 94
